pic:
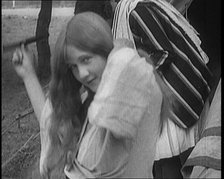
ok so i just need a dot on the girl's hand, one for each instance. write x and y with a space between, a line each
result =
23 61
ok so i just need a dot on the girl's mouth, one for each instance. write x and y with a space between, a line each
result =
90 81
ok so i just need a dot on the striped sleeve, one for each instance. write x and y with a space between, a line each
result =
184 70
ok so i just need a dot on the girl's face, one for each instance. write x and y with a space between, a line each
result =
86 67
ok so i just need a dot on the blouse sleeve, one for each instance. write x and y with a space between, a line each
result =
124 93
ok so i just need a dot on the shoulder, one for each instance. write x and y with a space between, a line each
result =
121 53
123 49
141 6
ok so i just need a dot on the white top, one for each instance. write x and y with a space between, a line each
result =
124 116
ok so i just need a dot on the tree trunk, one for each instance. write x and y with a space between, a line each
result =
43 48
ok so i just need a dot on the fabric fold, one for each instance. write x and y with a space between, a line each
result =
121 97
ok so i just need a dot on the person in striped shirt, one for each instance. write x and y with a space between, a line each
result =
161 31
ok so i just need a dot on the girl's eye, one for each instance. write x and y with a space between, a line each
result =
85 60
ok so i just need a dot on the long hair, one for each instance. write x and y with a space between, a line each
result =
93 34
86 31
63 91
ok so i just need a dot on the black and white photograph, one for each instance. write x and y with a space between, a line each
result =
111 89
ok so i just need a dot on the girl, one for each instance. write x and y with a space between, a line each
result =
121 127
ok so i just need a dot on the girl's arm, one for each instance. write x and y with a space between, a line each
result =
35 94
126 89
23 61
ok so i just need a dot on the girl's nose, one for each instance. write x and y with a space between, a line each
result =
83 72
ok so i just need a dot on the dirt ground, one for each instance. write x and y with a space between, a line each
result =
18 24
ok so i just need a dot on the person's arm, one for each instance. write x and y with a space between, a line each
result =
23 61
35 94
191 78
122 99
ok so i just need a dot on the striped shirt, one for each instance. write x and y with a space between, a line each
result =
183 70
